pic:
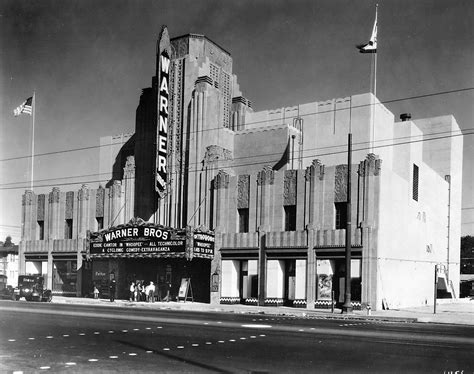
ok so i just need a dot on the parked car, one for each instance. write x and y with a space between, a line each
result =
6 291
31 287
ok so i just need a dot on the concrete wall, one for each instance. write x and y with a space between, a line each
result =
413 235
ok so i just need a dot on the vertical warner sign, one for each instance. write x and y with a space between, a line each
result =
163 107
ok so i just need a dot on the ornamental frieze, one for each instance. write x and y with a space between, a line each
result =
180 47
83 193
54 195
129 168
266 176
216 153
243 191
370 166
115 190
289 188
316 169
221 180
27 198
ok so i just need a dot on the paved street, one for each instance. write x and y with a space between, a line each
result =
93 338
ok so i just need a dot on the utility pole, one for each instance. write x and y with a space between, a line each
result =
347 306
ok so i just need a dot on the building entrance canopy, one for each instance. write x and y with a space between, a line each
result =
138 239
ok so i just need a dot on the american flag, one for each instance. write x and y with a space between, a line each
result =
26 107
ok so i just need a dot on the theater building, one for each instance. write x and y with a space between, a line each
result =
268 192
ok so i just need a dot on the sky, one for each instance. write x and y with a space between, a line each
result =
87 62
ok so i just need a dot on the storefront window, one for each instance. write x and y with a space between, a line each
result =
65 277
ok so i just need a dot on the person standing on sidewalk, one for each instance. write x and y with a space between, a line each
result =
112 288
151 293
132 290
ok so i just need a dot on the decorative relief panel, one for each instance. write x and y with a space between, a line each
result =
69 205
40 207
316 169
54 195
129 169
83 193
289 188
340 184
180 47
243 191
116 189
221 180
216 153
27 198
99 202
266 176
370 166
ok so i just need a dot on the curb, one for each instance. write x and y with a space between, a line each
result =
289 313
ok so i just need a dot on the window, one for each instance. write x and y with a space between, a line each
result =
40 230
341 215
290 217
100 223
243 220
68 229
415 182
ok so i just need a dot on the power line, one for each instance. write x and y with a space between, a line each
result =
314 156
246 157
252 123
240 158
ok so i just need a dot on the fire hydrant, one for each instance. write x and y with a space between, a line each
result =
369 309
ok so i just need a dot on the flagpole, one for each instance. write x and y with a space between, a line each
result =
375 64
33 141
375 80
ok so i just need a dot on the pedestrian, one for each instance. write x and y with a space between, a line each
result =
151 293
112 288
96 292
132 290
138 289
168 291
146 288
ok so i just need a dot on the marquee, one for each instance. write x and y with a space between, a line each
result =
138 239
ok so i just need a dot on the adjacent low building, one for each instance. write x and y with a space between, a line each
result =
269 188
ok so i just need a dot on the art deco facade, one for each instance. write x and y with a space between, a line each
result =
272 186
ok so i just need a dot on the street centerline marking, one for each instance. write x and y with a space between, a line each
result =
258 326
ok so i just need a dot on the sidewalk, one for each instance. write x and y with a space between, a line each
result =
460 311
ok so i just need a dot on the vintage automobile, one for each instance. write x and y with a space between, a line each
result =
6 291
31 287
